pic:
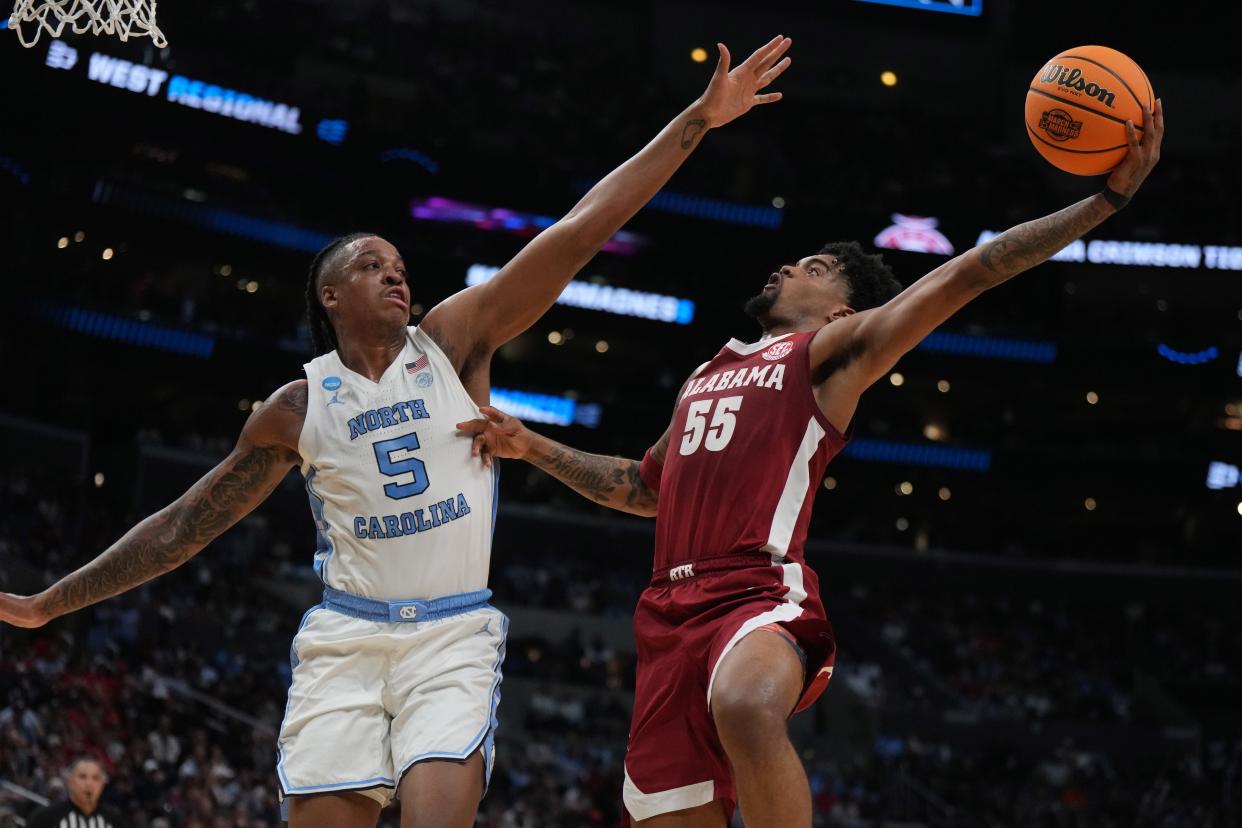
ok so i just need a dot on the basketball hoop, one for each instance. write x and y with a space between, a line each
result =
123 18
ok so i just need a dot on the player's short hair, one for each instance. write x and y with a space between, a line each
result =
323 335
870 279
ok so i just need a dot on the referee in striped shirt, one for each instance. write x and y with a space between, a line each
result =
86 782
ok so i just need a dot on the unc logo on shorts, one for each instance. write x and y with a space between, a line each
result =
424 380
778 351
408 612
679 572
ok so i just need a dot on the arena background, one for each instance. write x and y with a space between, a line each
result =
1030 552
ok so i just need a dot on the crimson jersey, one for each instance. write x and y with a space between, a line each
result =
749 446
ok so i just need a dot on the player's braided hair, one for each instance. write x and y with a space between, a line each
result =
871 281
322 333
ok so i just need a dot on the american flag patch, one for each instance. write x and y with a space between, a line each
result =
417 365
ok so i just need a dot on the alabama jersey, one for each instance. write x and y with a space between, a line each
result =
401 508
749 446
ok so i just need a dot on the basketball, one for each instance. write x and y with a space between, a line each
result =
1078 104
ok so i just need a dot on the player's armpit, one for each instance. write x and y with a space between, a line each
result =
170 537
855 351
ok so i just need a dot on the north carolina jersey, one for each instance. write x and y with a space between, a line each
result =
749 446
401 508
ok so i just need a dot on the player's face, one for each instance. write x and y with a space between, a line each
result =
812 287
86 784
369 282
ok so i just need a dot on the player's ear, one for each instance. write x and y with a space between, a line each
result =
841 313
327 296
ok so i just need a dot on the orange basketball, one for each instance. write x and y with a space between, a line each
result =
1078 105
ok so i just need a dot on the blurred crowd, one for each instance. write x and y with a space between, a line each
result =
177 690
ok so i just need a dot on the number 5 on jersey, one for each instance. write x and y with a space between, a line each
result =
713 436
390 467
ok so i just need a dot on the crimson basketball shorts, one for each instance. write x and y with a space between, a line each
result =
686 621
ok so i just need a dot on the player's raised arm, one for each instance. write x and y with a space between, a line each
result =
616 482
265 451
481 318
870 342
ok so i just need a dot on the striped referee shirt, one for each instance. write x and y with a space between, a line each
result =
67 815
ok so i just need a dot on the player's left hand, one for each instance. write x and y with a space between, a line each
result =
732 93
1143 155
22 610
499 435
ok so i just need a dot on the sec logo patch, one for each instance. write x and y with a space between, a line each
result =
778 351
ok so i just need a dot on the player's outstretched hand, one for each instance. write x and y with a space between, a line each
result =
1143 155
22 611
500 435
732 92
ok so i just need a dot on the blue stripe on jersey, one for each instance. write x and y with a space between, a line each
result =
324 547
495 493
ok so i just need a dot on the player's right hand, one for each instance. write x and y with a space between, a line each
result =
499 435
22 610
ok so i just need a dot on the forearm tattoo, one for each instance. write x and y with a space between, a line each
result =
173 535
691 131
613 481
1022 247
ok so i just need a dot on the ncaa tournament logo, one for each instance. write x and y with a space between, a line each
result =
1060 125
333 384
421 369
778 351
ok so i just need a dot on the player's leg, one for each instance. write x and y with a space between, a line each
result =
711 815
443 691
757 684
348 810
442 794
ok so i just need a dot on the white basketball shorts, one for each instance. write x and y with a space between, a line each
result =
372 698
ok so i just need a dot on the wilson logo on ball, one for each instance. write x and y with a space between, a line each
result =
1073 79
1059 125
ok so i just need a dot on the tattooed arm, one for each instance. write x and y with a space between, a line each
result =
613 481
264 453
851 353
476 321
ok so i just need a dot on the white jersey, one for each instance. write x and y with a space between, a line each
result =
402 509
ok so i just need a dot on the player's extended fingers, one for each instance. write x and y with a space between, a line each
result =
1158 120
493 414
472 426
769 97
1132 137
773 73
761 57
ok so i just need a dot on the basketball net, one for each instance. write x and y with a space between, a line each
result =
123 18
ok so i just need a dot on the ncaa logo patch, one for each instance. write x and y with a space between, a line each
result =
778 351
331 383
424 380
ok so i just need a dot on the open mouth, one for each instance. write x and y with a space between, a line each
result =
396 296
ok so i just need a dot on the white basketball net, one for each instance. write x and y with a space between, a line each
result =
123 18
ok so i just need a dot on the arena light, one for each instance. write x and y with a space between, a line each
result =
711 209
504 220
918 454
968 8
1222 475
120 329
410 154
615 300
990 347
1188 357
546 408
230 222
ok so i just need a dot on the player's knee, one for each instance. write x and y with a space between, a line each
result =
747 716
